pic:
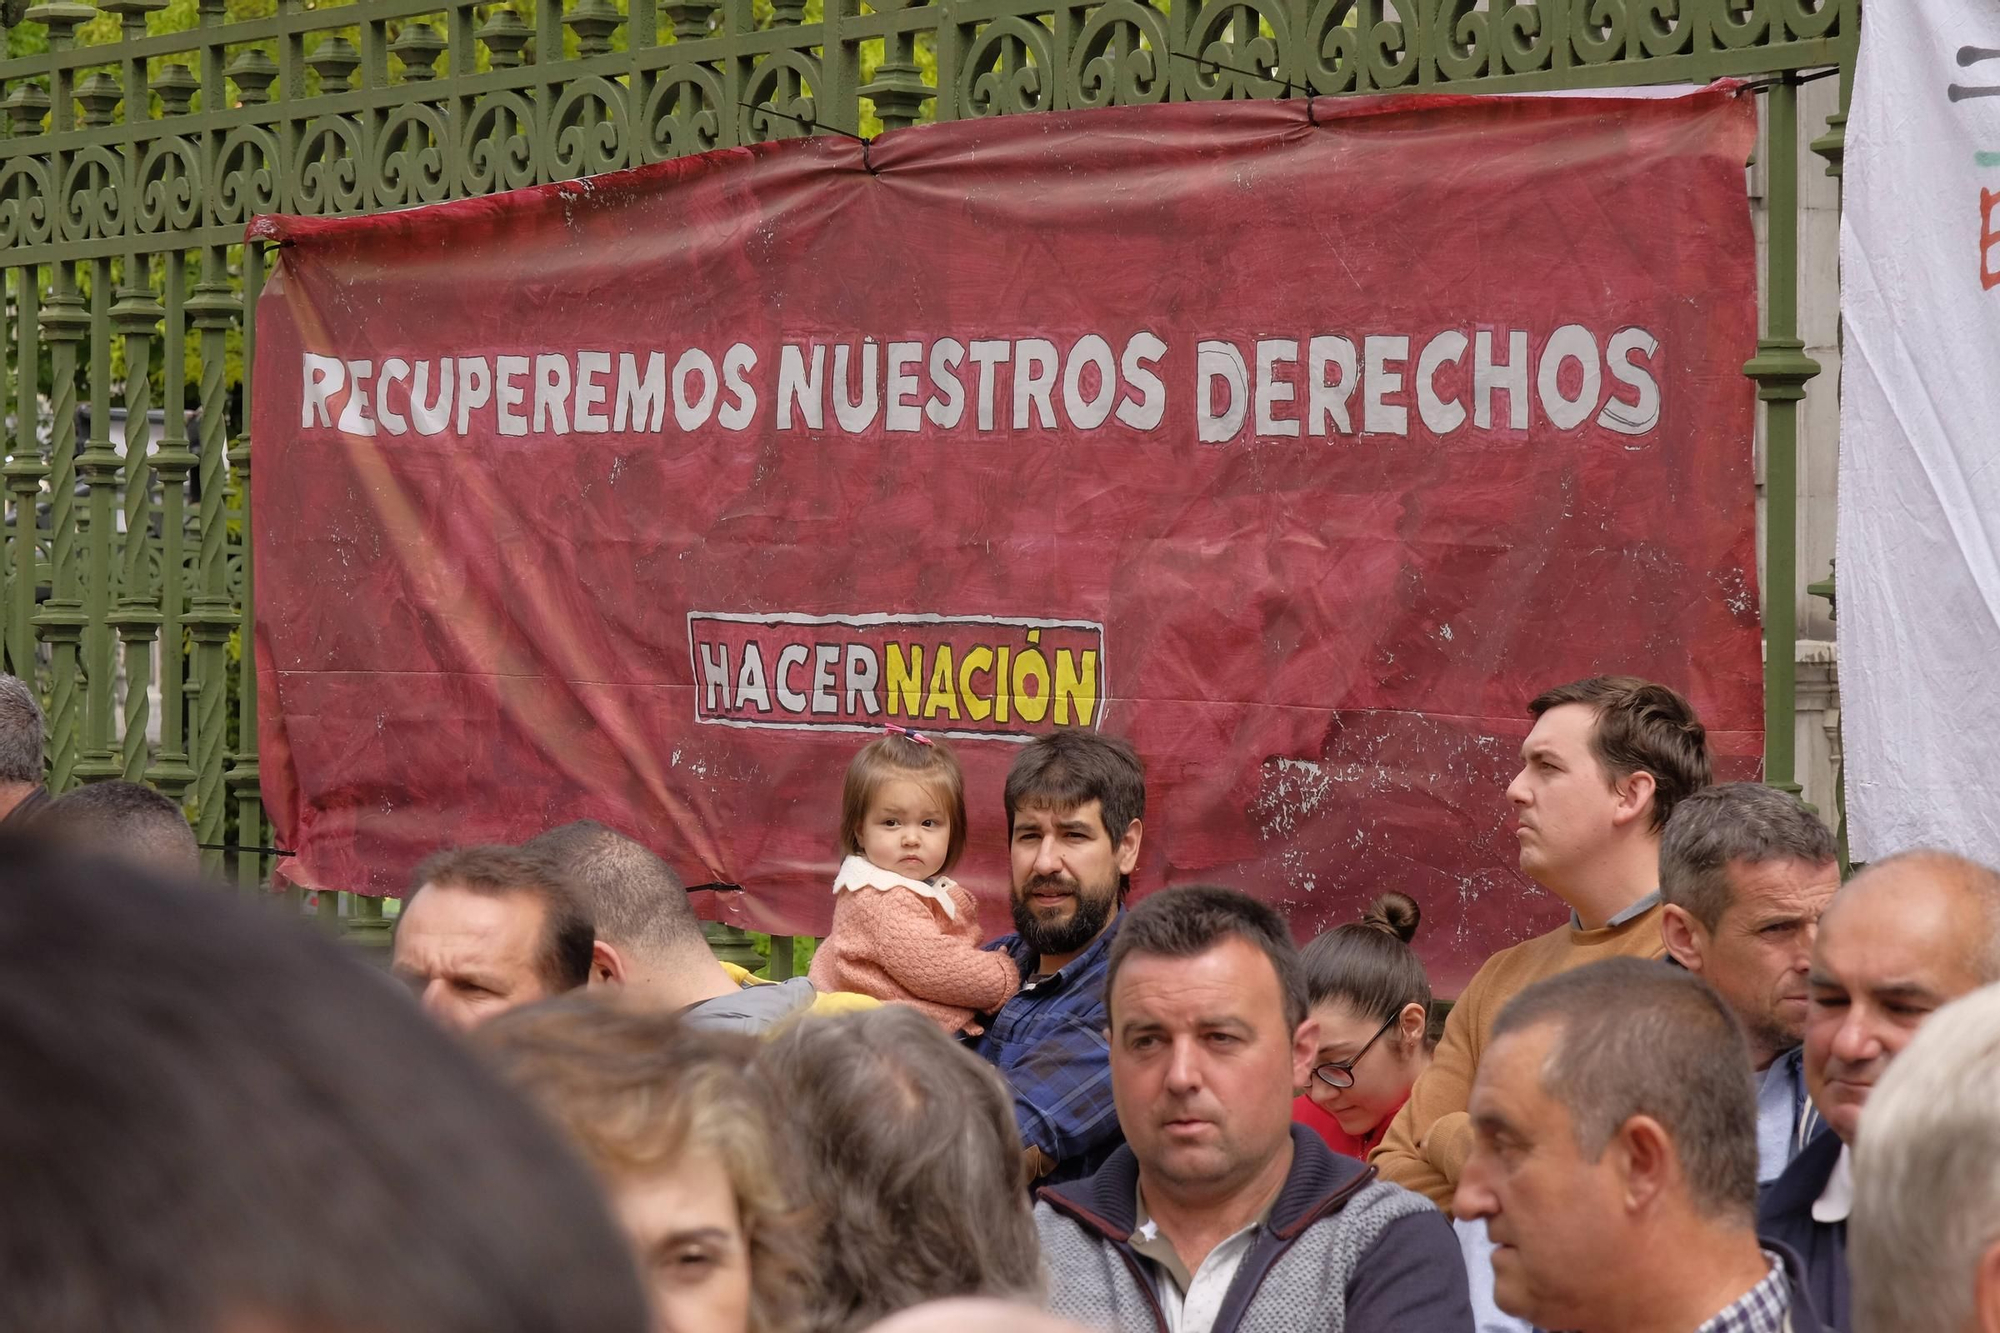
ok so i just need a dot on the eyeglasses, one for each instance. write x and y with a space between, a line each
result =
1340 1073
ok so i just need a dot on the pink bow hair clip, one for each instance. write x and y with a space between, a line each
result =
916 736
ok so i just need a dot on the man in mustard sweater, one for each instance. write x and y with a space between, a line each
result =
1602 769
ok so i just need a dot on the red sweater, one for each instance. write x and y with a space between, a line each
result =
1306 1112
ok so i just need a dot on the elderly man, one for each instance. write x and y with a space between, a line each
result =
22 729
1076 802
1926 1230
1746 870
1906 937
1218 1214
487 929
1602 770
1614 1161
127 820
649 942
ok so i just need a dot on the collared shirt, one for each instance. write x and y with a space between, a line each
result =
1191 1301
1837 1199
1762 1309
1049 1043
1786 1119
1640 908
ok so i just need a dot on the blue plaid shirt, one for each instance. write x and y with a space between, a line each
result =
1049 1044
1762 1309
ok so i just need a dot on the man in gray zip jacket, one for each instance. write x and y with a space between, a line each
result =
1218 1215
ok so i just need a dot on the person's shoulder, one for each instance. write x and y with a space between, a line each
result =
1061 1232
1530 960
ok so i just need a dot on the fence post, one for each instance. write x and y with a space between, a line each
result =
175 463
212 617
1781 369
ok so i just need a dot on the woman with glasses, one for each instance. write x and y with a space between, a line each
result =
1372 1000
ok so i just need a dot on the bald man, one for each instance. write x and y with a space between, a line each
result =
1904 938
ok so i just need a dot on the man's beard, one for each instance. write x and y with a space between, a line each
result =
1060 937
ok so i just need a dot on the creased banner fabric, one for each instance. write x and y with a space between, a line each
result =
1301 454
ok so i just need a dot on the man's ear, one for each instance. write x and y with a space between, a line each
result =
1683 936
1635 792
1128 846
1305 1045
1646 1160
607 968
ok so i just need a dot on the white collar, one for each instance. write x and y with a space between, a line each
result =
1837 1198
858 872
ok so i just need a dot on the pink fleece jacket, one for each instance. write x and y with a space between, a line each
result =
902 947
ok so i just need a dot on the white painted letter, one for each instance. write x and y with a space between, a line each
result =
826 656
863 670
901 412
715 678
432 419
693 415
640 400
551 412
1570 342
1270 391
1034 381
324 377
1215 360
858 415
790 656
798 385
1511 376
1378 380
737 363
475 387
1438 415
750 686
947 405
1326 403
1141 351
1638 417
354 418
1089 413
394 369
508 395
589 414
986 354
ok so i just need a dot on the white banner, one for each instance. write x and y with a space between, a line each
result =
1919 573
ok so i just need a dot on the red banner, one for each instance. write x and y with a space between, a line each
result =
1302 454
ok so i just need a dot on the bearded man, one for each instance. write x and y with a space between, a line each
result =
1075 802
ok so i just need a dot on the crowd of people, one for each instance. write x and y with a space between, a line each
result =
1143 1115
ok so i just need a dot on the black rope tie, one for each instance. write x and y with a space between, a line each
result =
815 127
1297 90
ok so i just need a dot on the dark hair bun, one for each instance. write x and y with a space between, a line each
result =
1394 914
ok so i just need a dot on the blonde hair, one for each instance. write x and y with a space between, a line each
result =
638 1091
929 763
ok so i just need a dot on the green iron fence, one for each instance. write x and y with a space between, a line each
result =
141 135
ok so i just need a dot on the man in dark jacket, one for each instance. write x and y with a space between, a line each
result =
1217 1216
1614 1160
1904 938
